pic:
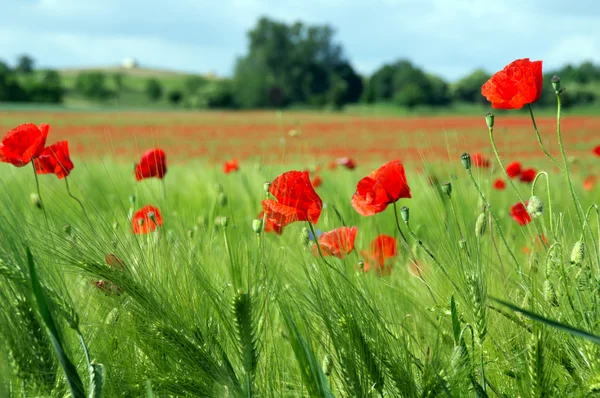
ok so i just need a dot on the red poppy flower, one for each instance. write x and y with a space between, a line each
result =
269 225
382 248
478 160
338 242
296 199
518 84
381 188
317 181
332 165
499 184
528 175
589 182
519 213
230 166
153 164
347 163
146 220
513 169
23 143
54 160
597 150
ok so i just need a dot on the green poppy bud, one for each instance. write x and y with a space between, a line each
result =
224 221
190 233
67 229
462 244
405 213
535 207
35 200
132 199
480 225
115 225
447 188
257 225
578 253
556 84
266 187
489 120
466 160
222 199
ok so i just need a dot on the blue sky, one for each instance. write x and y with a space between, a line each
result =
447 37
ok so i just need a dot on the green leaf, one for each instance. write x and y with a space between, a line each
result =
557 325
455 320
73 379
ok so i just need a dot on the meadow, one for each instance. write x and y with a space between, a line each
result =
455 291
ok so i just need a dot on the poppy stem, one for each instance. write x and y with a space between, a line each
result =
314 234
539 138
398 224
80 204
37 185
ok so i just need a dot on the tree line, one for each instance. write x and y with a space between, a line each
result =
289 65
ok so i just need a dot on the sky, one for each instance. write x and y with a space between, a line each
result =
446 37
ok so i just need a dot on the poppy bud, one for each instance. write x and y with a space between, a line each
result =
222 199
201 220
466 160
152 217
489 120
305 236
447 188
266 187
224 221
361 265
535 207
35 200
405 213
190 233
462 243
556 84
132 199
67 229
480 225
257 225
219 188
578 253
327 364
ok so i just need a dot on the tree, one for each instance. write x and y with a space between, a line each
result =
154 90
92 85
175 97
118 82
24 64
468 89
48 89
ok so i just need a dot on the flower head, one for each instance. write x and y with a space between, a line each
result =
269 225
338 242
528 175
382 187
382 248
596 151
518 84
23 144
54 160
519 213
152 164
146 220
478 160
499 184
347 163
513 169
230 166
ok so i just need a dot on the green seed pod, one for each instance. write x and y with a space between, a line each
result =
190 233
257 225
35 200
405 213
327 364
115 225
480 225
67 229
489 120
462 244
535 207
578 253
222 199
447 188
556 84
266 187
361 265
224 221
466 160
305 237
132 199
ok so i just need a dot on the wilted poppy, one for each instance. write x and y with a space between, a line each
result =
382 248
338 242
518 84
499 184
381 188
590 182
54 160
23 143
153 164
230 166
146 220
597 150
296 199
317 181
478 160
347 163
269 225
519 213
513 169
528 175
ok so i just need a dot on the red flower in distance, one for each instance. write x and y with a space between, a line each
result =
478 160
54 160
296 199
269 225
317 181
338 242
513 169
519 213
518 84
230 166
382 248
597 150
153 164
528 175
381 188
23 144
347 163
146 220
499 184
589 182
